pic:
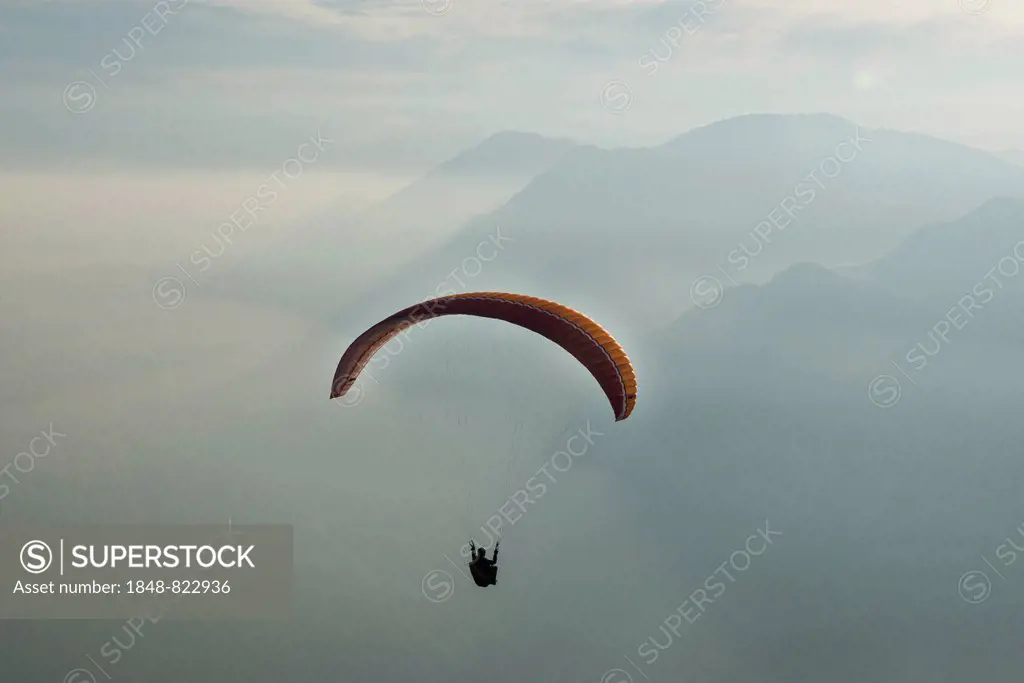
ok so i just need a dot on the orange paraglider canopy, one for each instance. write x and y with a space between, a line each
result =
587 341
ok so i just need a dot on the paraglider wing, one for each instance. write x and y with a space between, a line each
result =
587 341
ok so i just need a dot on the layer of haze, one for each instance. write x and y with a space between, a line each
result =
834 370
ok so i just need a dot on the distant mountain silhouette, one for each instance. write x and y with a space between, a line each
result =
507 152
809 322
622 232
317 268
952 257
770 387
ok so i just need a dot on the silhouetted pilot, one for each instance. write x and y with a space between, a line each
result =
484 571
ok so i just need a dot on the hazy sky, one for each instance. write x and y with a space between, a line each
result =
403 84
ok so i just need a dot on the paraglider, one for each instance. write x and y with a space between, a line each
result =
587 341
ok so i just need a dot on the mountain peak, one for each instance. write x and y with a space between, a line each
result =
954 255
518 137
761 127
508 151
789 120
806 281
805 272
